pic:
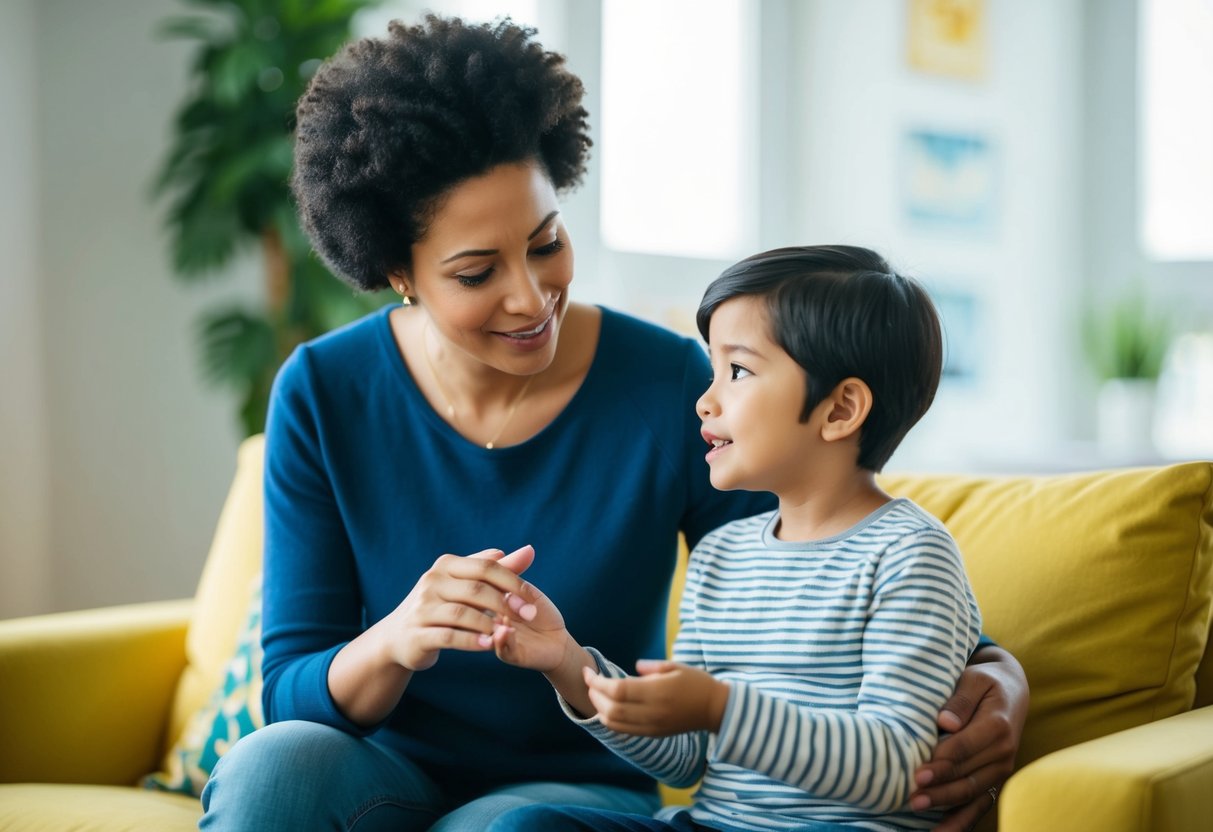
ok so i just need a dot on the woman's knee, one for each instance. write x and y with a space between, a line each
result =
277 760
302 775
277 752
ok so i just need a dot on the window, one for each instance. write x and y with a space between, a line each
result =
1176 89
679 127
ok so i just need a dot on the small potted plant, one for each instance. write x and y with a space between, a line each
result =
1126 341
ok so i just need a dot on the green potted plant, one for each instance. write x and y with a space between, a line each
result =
1126 341
226 181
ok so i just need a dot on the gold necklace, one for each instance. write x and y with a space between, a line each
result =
450 408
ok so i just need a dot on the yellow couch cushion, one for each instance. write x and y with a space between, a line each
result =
1152 778
224 590
1100 584
84 696
40 807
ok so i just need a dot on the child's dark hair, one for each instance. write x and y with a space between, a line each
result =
841 312
389 125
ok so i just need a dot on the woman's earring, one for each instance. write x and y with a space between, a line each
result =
404 295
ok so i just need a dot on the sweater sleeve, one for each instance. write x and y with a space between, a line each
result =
922 626
312 605
678 760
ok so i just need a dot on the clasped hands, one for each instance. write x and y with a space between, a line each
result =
480 602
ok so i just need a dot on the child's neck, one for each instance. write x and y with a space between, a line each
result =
829 507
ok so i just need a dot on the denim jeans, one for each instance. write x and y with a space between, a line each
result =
549 818
303 776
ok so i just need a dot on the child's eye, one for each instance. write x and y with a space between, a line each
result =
474 279
738 372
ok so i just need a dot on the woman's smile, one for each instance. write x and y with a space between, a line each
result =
533 337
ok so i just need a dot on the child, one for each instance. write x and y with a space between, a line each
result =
818 641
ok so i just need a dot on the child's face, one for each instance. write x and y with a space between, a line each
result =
751 411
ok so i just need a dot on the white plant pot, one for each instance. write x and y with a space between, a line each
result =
1125 418
1183 414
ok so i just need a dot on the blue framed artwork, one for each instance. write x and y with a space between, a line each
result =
959 313
948 182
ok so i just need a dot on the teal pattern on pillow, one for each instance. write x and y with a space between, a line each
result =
233 710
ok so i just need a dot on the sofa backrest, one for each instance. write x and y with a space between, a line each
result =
1101 584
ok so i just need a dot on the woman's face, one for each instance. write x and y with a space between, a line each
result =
493 269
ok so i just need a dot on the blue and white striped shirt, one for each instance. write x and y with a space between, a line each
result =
838 653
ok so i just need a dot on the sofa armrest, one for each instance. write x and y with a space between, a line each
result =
1156 777
85 696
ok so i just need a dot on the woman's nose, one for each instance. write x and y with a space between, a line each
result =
526 295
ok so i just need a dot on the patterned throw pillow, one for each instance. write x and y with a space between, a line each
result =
233 710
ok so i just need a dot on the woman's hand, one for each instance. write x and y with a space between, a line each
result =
454 605
986 715
668 698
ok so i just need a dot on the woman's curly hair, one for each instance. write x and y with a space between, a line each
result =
389 125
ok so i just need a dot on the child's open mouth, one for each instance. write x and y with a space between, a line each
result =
718 445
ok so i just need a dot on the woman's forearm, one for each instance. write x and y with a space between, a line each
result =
366 683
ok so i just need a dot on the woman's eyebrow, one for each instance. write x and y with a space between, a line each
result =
542 225
481 252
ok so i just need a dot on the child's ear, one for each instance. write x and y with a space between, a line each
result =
847 407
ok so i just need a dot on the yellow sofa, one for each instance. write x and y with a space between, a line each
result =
1101 584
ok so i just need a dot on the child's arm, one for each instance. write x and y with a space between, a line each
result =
674 710
669 698
922 625
537 639
675 753
689 700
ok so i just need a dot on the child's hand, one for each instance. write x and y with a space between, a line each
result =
668 698
535 638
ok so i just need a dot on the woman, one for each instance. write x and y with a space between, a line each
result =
490 411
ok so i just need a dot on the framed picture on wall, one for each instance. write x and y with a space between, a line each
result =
947 37
948 181
960 315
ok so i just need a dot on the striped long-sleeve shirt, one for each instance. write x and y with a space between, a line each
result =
838 654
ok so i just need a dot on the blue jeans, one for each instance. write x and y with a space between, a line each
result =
584 819
303 776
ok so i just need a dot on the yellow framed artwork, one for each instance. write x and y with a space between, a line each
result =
947 37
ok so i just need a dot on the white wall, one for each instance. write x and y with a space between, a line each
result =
140 453
24 472
860 97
